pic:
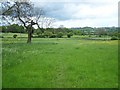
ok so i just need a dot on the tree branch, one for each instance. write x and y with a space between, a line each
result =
4 13
40 28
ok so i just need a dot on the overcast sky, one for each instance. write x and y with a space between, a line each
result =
81 13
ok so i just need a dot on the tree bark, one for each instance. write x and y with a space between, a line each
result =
29 36
29 33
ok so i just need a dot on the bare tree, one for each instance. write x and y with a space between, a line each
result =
24 12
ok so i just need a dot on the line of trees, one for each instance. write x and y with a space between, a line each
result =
99 32
14 28
60 32
54 33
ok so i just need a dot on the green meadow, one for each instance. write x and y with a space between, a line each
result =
59 63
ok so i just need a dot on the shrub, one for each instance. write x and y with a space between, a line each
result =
38 32
53 36
100 35
60 35
47 34
114 38
119 35
41 36
1 37
14 36
69 35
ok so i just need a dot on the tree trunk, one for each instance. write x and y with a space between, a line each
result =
30 31
29 36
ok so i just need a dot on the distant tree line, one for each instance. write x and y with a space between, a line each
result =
53 32
60 32
14 28
99 32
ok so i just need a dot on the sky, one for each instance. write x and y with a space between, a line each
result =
81 13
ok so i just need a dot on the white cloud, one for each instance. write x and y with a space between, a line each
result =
77 13
88 22
92 1
104 11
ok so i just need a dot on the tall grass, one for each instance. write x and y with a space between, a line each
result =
59 63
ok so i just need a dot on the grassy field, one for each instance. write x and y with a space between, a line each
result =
0 63
59 63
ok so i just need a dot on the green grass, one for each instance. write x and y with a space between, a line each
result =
0 63
59 63
10 35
